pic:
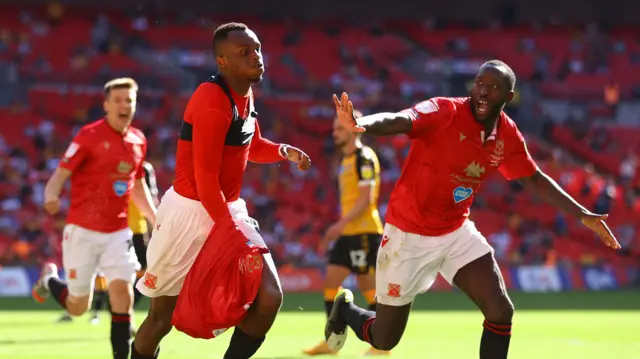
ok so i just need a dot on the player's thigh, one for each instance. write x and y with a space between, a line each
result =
470 266
161 311
118 260
177 238
80 258
367 278
407 265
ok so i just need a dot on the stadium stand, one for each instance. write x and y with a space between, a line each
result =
578 99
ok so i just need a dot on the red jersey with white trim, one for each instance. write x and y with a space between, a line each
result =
103 164
450 156
210 166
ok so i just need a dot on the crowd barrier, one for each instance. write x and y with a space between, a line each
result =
17 281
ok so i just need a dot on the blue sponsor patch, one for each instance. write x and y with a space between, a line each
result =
461 193
120 187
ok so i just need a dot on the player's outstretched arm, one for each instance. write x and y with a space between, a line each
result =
53 188
381 124
549 190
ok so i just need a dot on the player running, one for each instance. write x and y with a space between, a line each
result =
138 225
456 143
104 162
219 134
356 236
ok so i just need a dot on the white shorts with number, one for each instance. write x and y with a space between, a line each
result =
84 252
409 263
182 226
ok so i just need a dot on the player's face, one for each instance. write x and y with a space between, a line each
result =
489 94
120 106
341 136
241 55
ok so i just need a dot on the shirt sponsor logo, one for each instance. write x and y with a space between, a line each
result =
426 107
120 188
367 172
124 167
461 193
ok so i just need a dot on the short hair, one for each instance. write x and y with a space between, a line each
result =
222 32
120 83
508 72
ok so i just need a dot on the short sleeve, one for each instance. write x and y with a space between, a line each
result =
77 152
518 163
429 116
366 167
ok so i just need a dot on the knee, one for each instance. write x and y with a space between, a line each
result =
159 322
120 296
77 306
386 342
269 299
500 312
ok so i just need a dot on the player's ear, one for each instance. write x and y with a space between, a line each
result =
510 96
221 61
105 104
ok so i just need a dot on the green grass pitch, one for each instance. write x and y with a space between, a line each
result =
442 325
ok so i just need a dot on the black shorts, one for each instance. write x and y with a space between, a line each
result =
358 253
141 249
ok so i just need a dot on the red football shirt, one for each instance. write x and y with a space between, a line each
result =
103 165
209 168
450 155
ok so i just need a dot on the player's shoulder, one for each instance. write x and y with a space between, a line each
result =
88 133
209 95
137 133
444 106
367 153
508 126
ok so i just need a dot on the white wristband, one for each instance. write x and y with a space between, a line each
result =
283 150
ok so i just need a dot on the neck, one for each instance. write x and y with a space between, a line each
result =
351 147
239 86
117 128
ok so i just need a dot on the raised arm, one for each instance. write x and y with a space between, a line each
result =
425 118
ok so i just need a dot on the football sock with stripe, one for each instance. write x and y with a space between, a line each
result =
136 355
242 345
120 335
361 321
59 290
495 340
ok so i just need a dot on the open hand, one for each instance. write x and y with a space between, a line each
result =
596 222
344 109
296 155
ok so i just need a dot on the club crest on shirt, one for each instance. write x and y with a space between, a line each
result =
498 154
461 193
120 188
474 169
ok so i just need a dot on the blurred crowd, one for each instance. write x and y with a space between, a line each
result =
52 96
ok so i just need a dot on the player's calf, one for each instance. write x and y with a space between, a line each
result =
120 297
155 326
249 335
482 281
